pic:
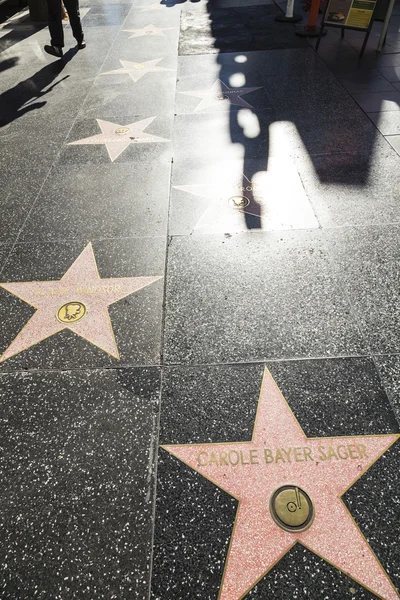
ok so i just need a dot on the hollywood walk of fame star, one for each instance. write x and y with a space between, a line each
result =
279 454
151 30
137 70
118 137
275 197
220 93
78 301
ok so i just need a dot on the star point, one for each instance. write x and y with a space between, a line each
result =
78 301
280 455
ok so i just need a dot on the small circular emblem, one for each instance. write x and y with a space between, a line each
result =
149 32
138 66
222 97
122 130
72 312
292 508
239 201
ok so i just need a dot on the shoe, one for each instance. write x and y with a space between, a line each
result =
82 45
54 51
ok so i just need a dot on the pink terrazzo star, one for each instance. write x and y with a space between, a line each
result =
276 196
280 454
220 93
151 30
81 297
118 137
137 70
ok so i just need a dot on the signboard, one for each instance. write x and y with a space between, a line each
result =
355 14
349 14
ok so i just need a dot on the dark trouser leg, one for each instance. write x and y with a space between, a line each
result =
72 7
55 23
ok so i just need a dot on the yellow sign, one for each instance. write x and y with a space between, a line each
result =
122 130
292 508
72 312
350 13
359 18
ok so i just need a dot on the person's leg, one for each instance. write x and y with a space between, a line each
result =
55 23
72 7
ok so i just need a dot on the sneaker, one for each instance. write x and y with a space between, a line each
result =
54 51
82 45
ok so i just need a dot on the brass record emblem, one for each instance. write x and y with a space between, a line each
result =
239 201
122 130
138 66
222 96
72 312
292 508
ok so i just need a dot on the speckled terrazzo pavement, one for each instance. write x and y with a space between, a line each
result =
199 310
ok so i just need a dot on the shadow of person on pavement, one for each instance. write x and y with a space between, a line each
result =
21 98
9 63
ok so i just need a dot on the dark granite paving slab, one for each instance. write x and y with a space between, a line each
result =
290 99
126 52
18 35
16 68
389 370
98 201
135 320
346 188
308 136
249 297
4 252
48 96
204 138
234 30
154 93
308 87
159 151
158 14
105 16
200 73
250 134
298 63
41 138
220 96
270 196
147 47
21 185
82 64
307 83
194 518
366 261
77 464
